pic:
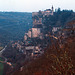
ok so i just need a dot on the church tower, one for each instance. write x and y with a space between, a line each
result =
52 9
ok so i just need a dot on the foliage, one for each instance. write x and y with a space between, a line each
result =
1 67
60 18
13 25
62 63
13 55
56 60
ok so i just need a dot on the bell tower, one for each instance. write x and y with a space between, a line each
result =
52 9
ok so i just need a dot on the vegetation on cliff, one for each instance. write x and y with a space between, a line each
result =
58 59
55 61
59 19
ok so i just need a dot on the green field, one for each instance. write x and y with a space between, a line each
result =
1 67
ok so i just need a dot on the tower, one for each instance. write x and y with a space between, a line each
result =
52 9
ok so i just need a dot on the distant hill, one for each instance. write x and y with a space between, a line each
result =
13 25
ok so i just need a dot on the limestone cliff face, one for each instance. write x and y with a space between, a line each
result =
37 28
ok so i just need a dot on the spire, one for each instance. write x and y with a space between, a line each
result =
52 7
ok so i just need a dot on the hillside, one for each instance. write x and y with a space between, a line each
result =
53 51
59 19
50 62
58 58
13 25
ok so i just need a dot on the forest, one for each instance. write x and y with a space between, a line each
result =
13 26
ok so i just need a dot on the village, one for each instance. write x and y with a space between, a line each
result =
35 41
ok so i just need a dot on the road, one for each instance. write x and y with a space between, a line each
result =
9 63
2 50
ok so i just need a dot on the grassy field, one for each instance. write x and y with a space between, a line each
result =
1 67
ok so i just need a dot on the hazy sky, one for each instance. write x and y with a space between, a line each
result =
35 5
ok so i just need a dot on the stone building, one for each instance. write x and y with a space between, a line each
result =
37 16
35 32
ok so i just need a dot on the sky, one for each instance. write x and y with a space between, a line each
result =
35 5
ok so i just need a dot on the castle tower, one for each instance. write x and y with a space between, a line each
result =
52 9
